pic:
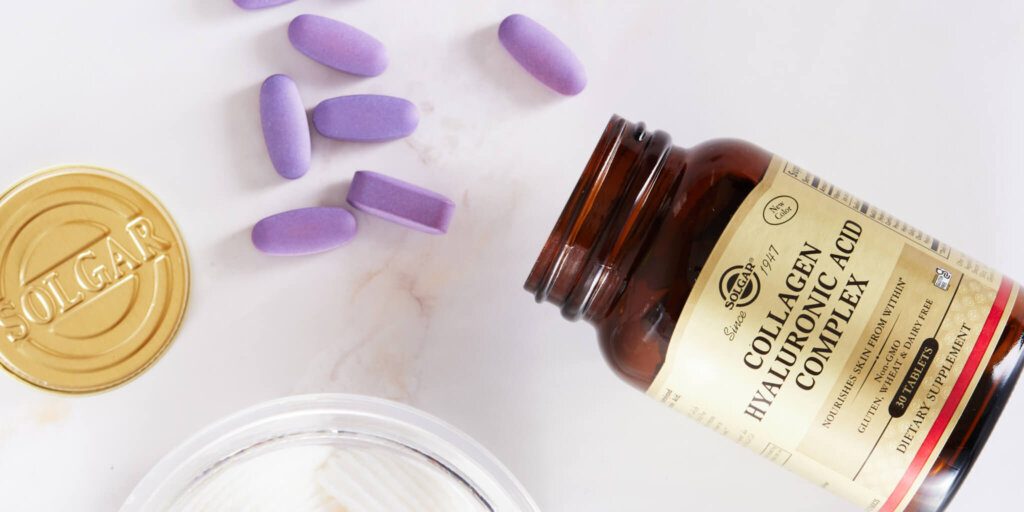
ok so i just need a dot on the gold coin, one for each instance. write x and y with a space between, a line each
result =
94 279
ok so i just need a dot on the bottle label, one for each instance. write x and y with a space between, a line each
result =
833 339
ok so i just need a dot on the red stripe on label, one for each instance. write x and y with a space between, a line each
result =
953 402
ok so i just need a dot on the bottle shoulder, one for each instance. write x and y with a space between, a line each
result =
712 180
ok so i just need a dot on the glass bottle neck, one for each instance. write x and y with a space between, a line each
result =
587 257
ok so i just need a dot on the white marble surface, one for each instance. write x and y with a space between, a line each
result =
915 106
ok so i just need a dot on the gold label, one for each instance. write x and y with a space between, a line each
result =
94 280
833 339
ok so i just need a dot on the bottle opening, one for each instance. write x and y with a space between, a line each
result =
579 261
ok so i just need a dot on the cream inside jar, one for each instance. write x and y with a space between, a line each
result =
329 453
331 479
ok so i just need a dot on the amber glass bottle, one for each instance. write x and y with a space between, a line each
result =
648 219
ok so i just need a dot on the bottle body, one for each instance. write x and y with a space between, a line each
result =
633 253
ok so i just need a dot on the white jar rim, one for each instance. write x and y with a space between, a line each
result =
323 419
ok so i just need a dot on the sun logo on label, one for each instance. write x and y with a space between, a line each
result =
94 280
739 285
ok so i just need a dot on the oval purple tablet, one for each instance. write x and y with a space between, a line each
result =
338 45
366 118
304 231
285 126
400 202
260 4
542 54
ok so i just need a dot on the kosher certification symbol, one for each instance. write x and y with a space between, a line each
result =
780 210
94 280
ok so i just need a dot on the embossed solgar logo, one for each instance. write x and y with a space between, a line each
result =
107 263
739 285
94 279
